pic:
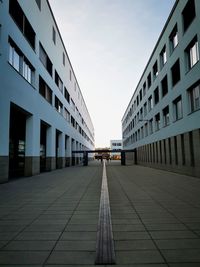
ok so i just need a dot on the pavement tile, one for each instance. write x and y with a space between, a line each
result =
45 228
128 227
132 257
71 257
30 245
172 234
38 236
81 227
78 236
130 235
134 245
23 257
125 221
164 226
83 221
178 243
182 255
7 235
188 264
76 245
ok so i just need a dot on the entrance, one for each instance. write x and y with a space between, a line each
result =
17 142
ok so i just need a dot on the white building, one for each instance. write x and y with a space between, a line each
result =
43 115
115 145
162 120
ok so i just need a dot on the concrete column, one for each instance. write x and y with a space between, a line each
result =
68 151
50 150
4 141
32 148
61 150
196 144
179 151
73 148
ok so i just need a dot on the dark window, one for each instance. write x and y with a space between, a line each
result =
141 95
67 95
144 89
164 85
178 113
54 35
150 103
194 97
149 80
175 71
58 105
173 38
156 96
45 59
63 58
155 70
157 121
44 90
192 53
188 14
22 22
163 57
38 3
58 81
166 116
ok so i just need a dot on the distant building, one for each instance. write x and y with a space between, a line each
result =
162 120
43 115
114 145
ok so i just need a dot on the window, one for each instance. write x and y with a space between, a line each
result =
141 95
73 122
20 19
150 103
44 90
175 71
194 98
149 80
144 89
155 70
58 81
54 35
137 100
142 132
20 62
70 75
151 126
66 115
38 2
63 58
67 95
188 14
141 114
164 86
166 116
145 109
177 104
45 59
163 57
73 105
192 53
173 38
156 96
146 129
157 121
58 105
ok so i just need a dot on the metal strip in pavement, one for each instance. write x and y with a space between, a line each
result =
105 253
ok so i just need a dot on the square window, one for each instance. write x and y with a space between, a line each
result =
188 14
173 38
156 96
175 72
157 121
54 35
166 116
144 89
177 104
194 97
150 103
192 53
164 86
149 80
163 57
155 70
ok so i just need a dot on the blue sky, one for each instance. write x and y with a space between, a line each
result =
109 43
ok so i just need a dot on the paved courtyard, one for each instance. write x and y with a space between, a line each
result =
51 219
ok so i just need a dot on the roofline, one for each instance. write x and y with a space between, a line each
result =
68 57
159 38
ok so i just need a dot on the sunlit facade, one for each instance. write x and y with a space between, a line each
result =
43 115
162 118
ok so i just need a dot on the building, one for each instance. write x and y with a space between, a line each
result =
162 120
115 144
43 115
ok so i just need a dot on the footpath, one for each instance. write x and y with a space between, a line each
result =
51 220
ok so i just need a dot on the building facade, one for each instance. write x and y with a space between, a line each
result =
115 144
43 115
162 119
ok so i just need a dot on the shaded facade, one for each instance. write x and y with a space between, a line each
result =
162 118
43 115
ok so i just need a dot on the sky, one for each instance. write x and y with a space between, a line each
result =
109 43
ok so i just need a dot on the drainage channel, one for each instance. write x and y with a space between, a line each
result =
105 253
